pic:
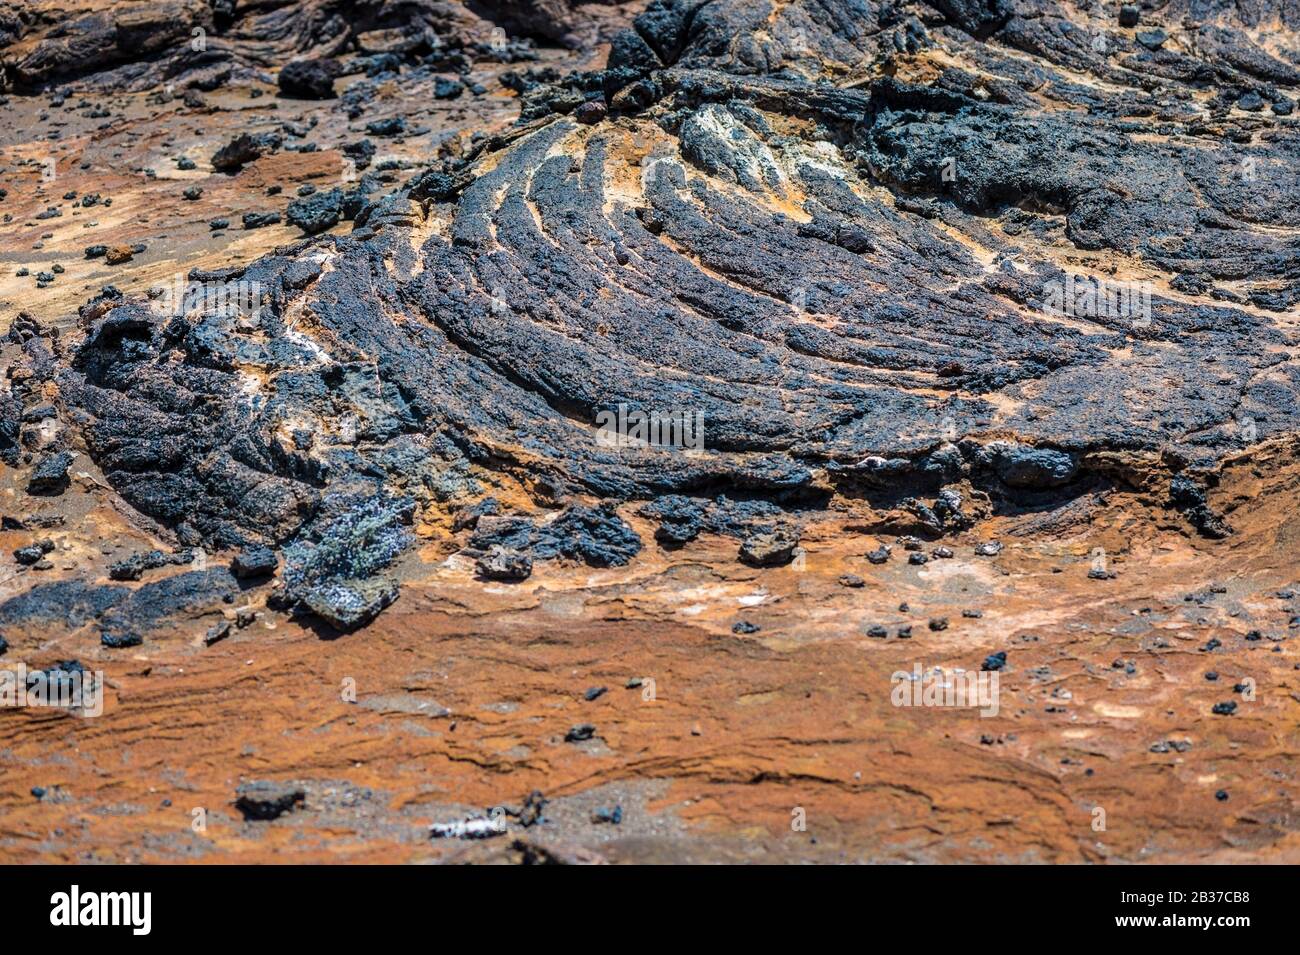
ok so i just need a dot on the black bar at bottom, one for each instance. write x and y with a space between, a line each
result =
339 904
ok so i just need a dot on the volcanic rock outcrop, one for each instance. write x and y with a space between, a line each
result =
657 391
202 43
895 255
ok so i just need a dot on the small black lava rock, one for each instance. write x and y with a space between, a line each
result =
444 88
316 212
1251 102
579 733
254 562
120 641
263 801
391 126
258 220
51 475
307 79
29 555
995 661
1152 39
592 111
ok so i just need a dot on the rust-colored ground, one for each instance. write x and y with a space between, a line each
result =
464 693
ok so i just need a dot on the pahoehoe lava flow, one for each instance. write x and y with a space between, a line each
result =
843 274
913 269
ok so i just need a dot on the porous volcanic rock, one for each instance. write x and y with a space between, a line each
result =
861 281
